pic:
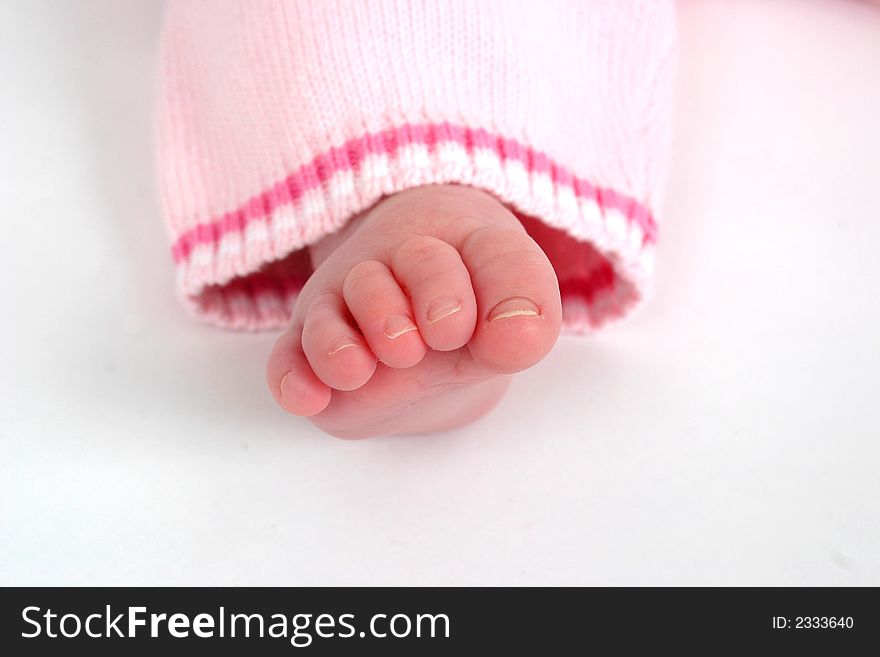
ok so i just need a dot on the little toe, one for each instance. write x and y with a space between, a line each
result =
334 348
383 314
520 312
290 378
439 288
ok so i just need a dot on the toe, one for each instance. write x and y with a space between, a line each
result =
334 348
439 287
290 377
383 314
518 302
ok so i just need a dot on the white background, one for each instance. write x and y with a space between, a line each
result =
726 434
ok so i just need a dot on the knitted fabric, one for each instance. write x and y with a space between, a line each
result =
280 120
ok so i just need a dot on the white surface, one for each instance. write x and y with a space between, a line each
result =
726 435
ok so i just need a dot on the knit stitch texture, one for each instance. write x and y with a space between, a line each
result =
279 120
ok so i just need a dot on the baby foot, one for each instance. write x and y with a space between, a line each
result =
416 315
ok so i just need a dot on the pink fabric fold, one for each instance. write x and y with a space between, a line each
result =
280 120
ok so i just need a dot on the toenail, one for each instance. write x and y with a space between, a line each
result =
514 307
398 325
443 308
288 386
340 343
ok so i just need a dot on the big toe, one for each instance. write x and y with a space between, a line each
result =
518 303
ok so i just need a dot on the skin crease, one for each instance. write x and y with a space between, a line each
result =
417 314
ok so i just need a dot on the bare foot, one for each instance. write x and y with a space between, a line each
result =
416 315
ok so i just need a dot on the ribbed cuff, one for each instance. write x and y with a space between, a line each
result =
224 270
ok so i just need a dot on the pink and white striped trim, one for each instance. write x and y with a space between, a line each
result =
320 196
